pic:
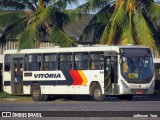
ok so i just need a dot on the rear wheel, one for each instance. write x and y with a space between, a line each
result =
96 93
36 94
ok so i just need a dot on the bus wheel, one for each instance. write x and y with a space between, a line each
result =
97 93
36 93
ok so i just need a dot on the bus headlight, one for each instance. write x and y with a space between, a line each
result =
124 84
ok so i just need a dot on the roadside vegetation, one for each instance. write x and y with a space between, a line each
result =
122 22
4 95
33 21
116 22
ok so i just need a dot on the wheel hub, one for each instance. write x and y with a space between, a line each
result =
36 93
97 93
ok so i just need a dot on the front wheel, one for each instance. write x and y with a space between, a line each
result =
97 93
36 93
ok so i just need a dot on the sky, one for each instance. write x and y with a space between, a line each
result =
80 2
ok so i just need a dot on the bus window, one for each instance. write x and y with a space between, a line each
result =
7 62
81 61
96 62
50 62
65 61
34 62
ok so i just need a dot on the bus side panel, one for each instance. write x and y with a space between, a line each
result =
7 82
66 90
7 89
58 90
26 89
63 82
95 76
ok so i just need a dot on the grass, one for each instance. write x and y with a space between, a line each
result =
6 95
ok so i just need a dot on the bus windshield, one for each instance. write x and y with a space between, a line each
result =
137 67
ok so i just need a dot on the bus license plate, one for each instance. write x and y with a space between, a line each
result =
139 92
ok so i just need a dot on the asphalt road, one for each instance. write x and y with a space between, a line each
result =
145 103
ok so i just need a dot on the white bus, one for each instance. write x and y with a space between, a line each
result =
96 71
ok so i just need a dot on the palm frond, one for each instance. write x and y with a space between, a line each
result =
60 38
13 30
152 8
98 23
44 14
40 2
11 4
28 37
145 36
120 18
8 18
128 35
106 32
117 23
128 32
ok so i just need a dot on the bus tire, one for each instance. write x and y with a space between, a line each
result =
36 93
97 93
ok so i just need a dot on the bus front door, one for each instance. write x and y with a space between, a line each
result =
110 75
17 76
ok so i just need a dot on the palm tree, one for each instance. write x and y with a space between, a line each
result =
124 22
29 21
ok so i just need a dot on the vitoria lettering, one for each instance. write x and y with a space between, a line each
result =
47 75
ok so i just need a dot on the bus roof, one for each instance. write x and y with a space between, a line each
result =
70 49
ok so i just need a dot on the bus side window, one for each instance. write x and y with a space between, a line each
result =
65 61
81 61
35 62
50 62
7 62
96 62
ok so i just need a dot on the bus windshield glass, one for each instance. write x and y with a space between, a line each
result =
137 67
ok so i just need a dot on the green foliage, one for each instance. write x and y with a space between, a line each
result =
8 18
12 4
9 96
28 37
129 22
60 38
36 19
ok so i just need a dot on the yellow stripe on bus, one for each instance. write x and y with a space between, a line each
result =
85 80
